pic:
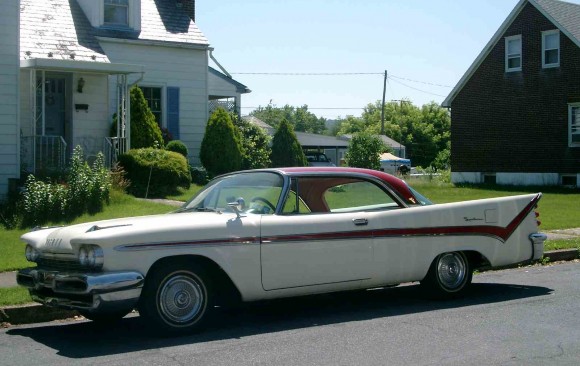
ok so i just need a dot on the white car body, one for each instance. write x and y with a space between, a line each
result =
276 255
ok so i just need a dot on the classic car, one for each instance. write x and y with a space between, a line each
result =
273 233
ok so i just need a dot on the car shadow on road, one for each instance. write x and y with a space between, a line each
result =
84 339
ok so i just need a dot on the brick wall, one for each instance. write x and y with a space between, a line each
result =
518 121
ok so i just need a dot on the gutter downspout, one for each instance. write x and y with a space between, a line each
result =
217 63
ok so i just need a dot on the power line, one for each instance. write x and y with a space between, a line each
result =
420 82
419 90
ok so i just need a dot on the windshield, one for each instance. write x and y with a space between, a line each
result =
257 192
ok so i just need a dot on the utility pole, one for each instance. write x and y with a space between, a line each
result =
383 105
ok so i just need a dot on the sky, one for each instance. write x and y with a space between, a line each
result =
424 45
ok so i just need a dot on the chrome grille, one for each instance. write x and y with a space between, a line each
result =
61 265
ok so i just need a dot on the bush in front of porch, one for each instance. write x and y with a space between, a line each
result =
83 189
155 172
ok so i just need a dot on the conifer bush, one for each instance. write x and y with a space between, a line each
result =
221 150
286 150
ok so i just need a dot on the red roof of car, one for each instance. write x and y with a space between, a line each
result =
397 184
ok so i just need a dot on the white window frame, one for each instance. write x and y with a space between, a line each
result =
511 56
128 6
544 35
163 87
570 142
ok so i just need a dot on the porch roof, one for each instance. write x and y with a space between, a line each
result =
81 66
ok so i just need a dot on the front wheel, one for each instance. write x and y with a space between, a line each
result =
177 298
449 275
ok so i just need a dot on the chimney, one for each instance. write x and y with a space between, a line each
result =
188 6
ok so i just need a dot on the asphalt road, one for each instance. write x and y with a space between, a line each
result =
526 316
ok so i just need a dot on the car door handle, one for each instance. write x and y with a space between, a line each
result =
360 222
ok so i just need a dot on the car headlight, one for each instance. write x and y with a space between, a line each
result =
91 256
31 253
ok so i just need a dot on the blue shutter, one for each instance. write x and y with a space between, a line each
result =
173 111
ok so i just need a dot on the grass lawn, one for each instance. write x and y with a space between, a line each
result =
185 194
12 249
558 208
14 296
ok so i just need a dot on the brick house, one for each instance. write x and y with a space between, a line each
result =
515 114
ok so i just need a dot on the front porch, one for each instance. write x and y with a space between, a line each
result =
67 103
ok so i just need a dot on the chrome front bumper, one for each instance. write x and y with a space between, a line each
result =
93 292
538 240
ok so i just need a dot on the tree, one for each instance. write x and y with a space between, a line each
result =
145 131
221 150
255 144
299 118
286 150
364 151
424 131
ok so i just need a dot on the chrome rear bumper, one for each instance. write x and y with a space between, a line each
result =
93 292
538 240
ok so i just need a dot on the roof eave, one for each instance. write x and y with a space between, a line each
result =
81 66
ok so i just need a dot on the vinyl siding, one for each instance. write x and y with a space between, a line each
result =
183 68
9 89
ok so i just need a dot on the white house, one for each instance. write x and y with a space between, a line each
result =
9 136
77 61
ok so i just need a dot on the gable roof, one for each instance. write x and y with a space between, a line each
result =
564 15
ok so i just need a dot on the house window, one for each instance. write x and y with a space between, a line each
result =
574 124
117 12
513 53
551 49
153 98
570 180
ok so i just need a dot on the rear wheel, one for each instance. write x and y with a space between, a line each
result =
177 298
449 275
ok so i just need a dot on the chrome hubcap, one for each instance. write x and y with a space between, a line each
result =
181 299
451 270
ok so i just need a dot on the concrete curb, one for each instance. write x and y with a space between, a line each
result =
36 313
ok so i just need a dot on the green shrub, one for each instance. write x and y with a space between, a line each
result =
364 151
85 189
221 151
199 175
286 150
145 131
255 144
155 172
178 147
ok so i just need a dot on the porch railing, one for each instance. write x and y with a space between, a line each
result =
228 105
43 153
113 147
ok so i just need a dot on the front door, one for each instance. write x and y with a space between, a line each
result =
54 102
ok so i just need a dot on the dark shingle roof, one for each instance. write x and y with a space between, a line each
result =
161 20
57 29
564 13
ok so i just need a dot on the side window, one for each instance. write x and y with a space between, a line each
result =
358 196
294 205
513 53
117 12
